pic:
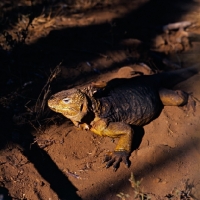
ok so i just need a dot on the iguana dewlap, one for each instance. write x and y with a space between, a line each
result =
124 102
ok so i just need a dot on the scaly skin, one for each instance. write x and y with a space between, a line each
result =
124 102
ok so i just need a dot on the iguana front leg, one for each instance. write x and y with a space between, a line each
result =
123 148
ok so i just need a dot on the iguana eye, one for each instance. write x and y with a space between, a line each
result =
66 100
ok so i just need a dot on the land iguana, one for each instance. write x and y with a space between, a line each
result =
124 102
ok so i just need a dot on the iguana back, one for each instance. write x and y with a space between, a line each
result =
134 102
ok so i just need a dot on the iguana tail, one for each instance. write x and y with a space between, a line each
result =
169 79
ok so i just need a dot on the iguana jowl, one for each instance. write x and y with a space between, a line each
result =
125 102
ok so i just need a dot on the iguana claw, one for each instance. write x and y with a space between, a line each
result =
114 159
83 126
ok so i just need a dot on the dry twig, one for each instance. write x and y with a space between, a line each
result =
45 91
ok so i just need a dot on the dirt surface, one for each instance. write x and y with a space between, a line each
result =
49 46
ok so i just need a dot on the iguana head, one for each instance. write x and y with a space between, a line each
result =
71 103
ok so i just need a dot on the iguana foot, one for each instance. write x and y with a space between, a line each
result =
114 159
191 103
83 126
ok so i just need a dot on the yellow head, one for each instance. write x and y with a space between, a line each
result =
71 103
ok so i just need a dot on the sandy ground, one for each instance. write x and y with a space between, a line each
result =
54 160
